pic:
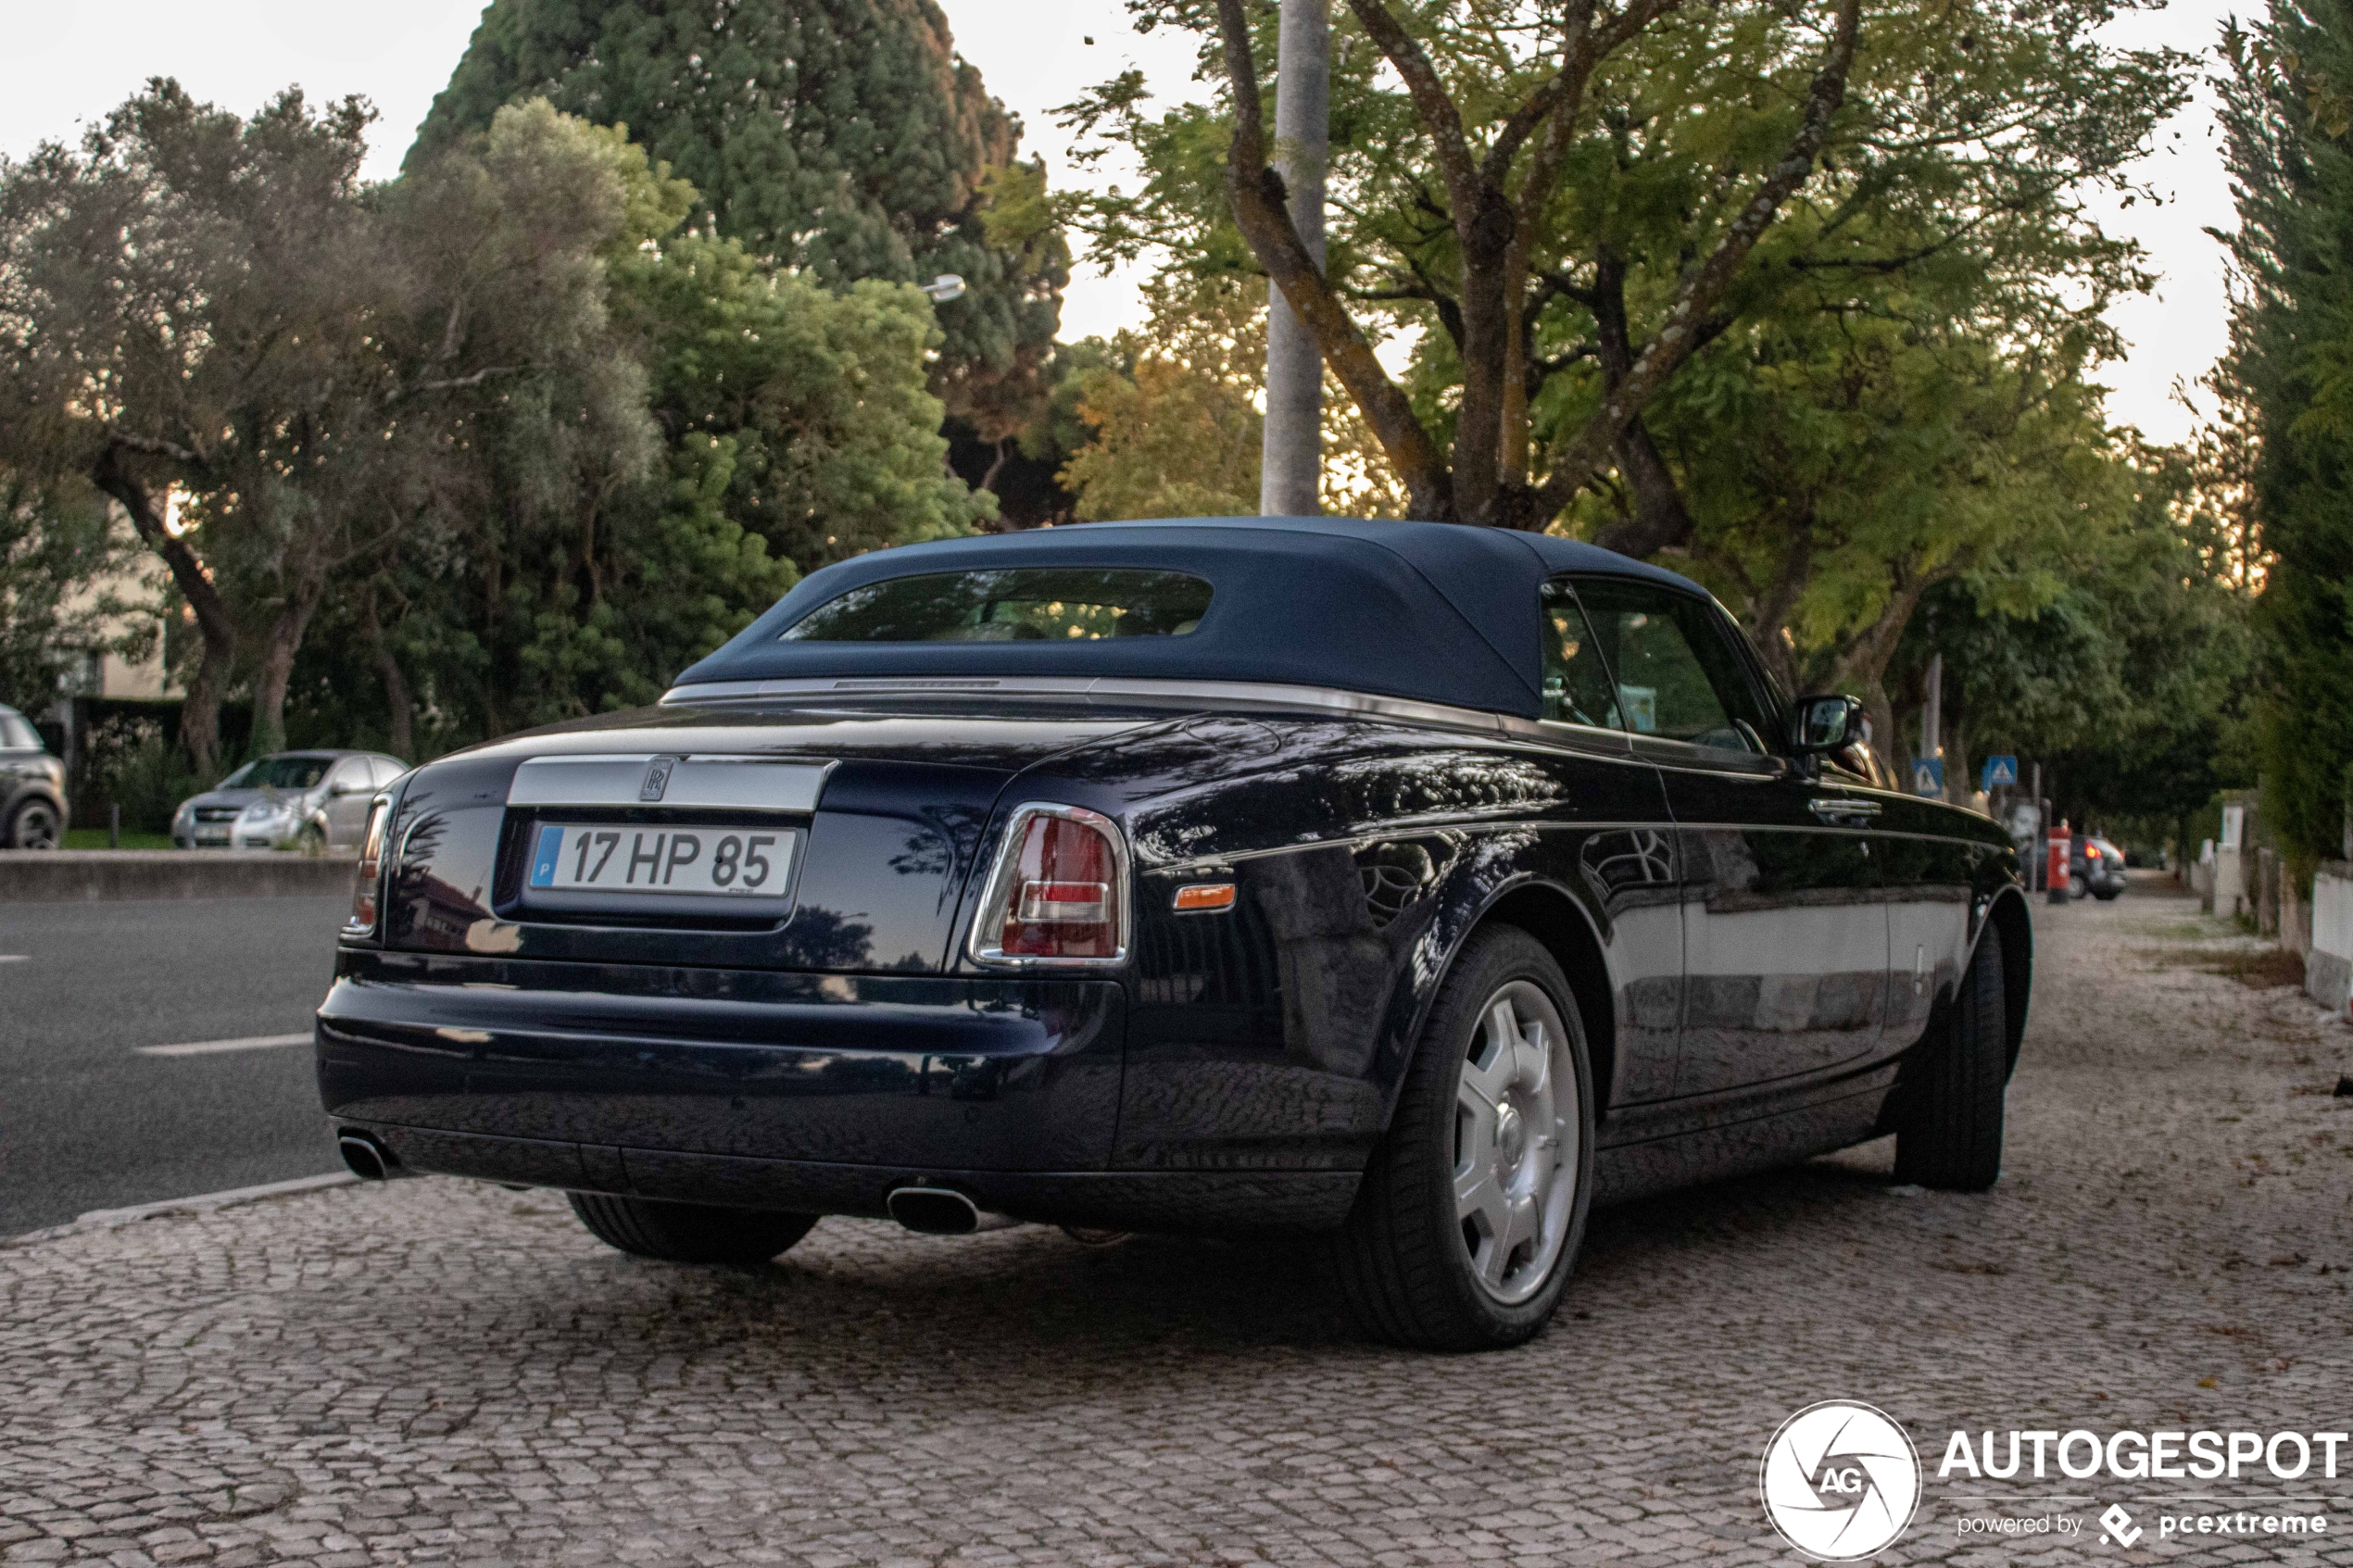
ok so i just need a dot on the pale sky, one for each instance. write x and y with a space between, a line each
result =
66 61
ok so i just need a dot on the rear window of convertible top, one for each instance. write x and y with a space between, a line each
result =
1010 604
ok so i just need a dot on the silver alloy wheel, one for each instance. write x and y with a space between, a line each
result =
1515 1154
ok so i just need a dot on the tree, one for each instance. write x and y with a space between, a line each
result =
183 303
692 431
2130 676
843 138
822 395
1567 206
56 540
1840 466
1170 421
2284 92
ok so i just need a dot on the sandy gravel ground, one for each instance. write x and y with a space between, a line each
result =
436 1371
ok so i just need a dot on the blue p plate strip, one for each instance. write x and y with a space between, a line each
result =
543 865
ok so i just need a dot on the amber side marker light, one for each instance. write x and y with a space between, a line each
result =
1205 897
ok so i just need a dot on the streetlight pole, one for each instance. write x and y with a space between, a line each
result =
1292 470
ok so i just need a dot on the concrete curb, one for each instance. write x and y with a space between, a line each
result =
54 876
204 1203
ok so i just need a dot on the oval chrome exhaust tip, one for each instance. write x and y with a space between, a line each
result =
934 1211
364 1157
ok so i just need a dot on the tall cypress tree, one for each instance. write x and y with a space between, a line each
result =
845 137
2285 102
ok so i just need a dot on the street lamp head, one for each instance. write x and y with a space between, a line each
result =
945 287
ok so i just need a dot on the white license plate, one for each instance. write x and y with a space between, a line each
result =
677 858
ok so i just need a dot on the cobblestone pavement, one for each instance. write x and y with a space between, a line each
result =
434 1370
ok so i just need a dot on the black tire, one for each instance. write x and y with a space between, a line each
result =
2076 888
312 840
35 825
1951 1138
1404 1261
2107 895
688 1233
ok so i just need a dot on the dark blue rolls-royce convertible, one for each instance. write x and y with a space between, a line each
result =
1414 883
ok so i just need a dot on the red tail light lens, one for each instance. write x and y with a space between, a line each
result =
366 880
1058 892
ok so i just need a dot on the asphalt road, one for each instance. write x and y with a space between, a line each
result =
86 1120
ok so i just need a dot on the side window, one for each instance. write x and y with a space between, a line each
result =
386 770
1676 677
1577 685
17 735
352 773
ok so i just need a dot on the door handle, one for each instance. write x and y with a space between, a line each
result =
1838 811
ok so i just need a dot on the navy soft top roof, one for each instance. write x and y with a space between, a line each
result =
1437 612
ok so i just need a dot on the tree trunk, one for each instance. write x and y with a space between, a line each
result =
1485 239
1661 521
398 696
277 671
1291 467
200 709
1769 617
1862 668
200 714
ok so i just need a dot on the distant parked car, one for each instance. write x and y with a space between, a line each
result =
2096 867
32 787
311 800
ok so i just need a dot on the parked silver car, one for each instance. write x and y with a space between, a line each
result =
32 787
311 800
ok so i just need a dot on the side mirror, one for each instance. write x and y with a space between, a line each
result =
1819 725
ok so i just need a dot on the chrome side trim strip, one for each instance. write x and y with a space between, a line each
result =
1111 691
727 783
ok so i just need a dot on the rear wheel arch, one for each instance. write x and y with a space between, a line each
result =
2008 914
1565 930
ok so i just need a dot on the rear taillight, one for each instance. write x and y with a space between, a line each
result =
1057 893
369 878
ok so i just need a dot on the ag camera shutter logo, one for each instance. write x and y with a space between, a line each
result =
1841 1481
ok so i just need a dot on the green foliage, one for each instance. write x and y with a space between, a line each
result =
2290 374
491 444
190 301
695 431
832 435
1174 430
1839 468
1167 419
56 544
1953 171
840 137
2128 678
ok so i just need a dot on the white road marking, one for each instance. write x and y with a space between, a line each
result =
15 958
211 1048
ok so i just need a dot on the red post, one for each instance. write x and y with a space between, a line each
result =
2061 852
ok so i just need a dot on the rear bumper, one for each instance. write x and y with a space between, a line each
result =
1136 1200
817 1094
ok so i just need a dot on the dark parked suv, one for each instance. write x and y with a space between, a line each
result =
32 787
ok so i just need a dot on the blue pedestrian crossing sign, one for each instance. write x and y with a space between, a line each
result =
1999 770
1928 775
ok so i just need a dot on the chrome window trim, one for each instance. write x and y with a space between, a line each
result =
1111 692
989 915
